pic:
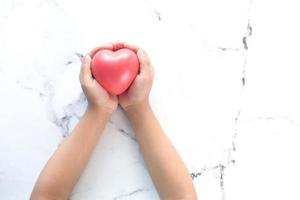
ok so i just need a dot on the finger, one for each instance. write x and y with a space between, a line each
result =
96 49
85 72
145 64
120 45
132 47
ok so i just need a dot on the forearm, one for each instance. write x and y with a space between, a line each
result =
65 166
166 168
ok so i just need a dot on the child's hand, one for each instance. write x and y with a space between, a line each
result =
138 93
98 98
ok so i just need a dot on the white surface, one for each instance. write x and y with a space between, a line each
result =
239 141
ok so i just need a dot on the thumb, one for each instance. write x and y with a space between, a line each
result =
85 72
145 64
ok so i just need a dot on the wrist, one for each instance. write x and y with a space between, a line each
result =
98 111
140 107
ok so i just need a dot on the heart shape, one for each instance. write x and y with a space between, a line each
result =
115 70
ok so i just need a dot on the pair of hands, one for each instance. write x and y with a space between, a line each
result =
136 95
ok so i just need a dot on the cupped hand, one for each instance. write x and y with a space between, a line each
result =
98 98
138 93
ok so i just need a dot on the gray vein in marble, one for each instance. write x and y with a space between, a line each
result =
285 118
80 56
40 93
228 49
64 121
231 160
13 5
237 118
130 194
221 168
222 174
236 121
248 34
195 175
72 59
68 111
245 43
123 131
155 11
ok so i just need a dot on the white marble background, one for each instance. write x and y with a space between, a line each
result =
226 91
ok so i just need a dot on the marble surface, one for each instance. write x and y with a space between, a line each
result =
226 91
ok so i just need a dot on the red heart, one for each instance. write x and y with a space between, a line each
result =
115 70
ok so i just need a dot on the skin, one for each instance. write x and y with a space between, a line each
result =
167 170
